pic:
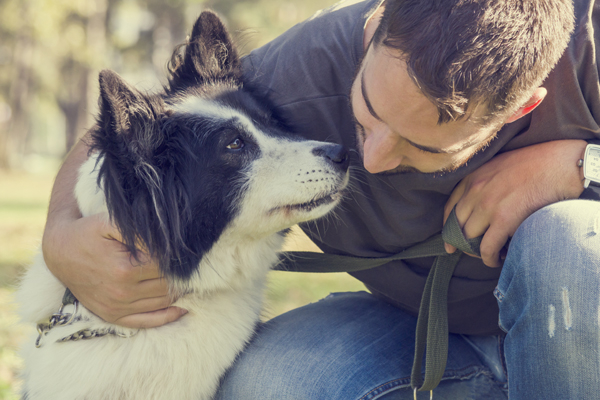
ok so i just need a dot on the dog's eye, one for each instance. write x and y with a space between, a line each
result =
236 144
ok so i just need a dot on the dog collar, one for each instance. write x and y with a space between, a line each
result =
67 314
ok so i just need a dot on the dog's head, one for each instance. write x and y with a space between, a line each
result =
180 168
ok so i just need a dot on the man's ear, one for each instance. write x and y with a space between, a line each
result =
534 101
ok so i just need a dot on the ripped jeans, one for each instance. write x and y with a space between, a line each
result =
549 299
352 346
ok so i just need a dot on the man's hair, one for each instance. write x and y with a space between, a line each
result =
468 53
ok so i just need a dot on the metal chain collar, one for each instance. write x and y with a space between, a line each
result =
57 319
61 318
85 334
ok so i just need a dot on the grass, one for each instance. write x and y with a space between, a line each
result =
23 204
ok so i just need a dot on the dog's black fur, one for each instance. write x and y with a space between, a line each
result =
203 178
159 173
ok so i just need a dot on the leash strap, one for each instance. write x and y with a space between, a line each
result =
432 323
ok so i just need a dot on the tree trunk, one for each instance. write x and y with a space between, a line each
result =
78 101
73 102
13 143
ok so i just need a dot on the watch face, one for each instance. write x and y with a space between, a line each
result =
591 166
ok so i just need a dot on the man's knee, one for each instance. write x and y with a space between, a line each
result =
555 252
568 230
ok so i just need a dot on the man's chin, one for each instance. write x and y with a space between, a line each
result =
400 169
405 169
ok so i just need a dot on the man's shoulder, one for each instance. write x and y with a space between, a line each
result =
318 55
571 110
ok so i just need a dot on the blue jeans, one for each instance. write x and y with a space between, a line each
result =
352 346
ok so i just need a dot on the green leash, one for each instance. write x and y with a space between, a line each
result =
432 323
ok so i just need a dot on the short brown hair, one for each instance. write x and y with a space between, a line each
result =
465 53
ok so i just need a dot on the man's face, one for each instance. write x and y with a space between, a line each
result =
397 126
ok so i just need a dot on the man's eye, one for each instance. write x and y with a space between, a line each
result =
236 144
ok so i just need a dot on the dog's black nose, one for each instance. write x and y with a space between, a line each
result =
336 154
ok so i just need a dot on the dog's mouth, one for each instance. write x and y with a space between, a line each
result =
313 204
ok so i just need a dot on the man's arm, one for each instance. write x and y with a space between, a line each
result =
86 255
496 198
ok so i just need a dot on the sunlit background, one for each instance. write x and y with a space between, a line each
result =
51 52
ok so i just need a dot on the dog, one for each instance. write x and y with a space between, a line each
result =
202 177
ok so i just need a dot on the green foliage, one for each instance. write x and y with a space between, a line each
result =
52 50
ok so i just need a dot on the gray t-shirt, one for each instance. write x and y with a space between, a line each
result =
307 74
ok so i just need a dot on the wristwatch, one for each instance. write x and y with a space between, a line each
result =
591 166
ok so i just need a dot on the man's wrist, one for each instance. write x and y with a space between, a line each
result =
571 151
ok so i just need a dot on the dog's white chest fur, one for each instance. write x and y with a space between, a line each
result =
181 360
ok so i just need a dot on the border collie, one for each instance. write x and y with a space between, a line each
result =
202 178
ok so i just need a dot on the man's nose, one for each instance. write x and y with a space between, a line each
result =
381 152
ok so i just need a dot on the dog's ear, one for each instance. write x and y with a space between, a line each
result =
130 141
121 105
209 55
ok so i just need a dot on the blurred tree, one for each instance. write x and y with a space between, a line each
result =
53 45
85 26
16 85
52 50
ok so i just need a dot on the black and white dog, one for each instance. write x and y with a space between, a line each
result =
202 178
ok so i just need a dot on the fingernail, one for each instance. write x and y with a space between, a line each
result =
182 311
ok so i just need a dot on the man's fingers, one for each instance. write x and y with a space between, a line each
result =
130 269
125 267
155 287
449 248
146 296
149 304
104 226
463 211
152 319
475 225
492 247
108 280
148 271
454 199
472 225
115 312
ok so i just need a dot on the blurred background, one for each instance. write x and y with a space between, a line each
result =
51 52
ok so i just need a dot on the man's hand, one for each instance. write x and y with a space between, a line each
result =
87 256
496 198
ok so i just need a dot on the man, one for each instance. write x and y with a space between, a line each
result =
421 89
